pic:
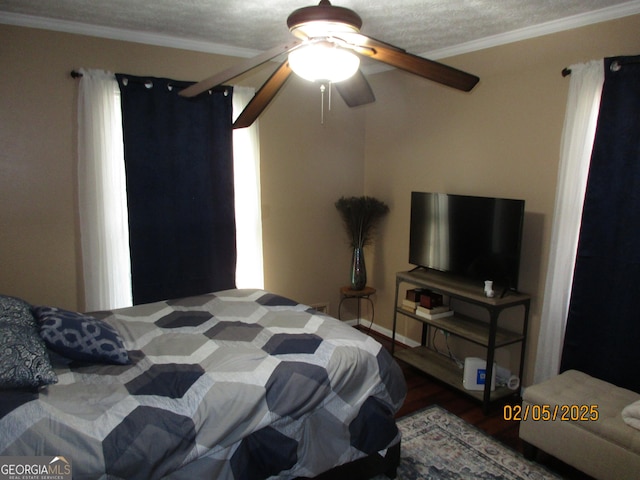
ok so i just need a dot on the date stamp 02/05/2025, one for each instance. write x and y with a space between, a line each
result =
550 413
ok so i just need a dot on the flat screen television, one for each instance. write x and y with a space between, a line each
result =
477 238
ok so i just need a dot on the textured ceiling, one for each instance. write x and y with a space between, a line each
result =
419 26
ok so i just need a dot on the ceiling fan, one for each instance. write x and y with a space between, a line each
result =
326 37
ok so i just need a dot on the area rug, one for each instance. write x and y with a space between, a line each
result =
437 444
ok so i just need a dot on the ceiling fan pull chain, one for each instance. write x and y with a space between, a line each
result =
322 88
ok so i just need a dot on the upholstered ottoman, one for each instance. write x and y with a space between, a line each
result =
587 429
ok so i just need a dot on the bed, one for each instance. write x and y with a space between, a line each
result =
238 384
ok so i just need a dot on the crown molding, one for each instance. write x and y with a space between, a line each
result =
568 23
124 35
554 26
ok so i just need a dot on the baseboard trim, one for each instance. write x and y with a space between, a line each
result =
364 324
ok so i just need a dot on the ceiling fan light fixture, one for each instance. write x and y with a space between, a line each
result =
323 61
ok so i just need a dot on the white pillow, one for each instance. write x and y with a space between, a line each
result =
631 414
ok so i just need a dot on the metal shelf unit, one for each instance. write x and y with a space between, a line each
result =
488 335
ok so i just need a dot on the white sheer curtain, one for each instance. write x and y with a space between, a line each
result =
246 161
575 154
102 193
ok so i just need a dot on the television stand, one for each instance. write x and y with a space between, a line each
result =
488 335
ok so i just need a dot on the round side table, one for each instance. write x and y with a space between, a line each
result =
347 293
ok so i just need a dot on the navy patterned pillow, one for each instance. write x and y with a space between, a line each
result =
24 361
80 337
15 311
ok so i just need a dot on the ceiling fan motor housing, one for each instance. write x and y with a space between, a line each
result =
323 20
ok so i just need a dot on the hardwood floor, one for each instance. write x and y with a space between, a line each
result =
424 391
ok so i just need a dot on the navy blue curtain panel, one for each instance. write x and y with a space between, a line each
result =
603 327
179 168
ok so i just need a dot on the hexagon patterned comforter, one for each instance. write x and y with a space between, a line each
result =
239 384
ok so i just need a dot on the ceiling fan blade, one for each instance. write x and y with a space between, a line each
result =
263 96
409 62
357 39
356 91
238 69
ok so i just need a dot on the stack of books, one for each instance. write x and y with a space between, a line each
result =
433 313
426 304
412 300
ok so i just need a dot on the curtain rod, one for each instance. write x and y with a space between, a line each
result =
615 66
147 83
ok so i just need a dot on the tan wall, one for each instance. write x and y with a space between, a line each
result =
304 171
502 139
305 167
